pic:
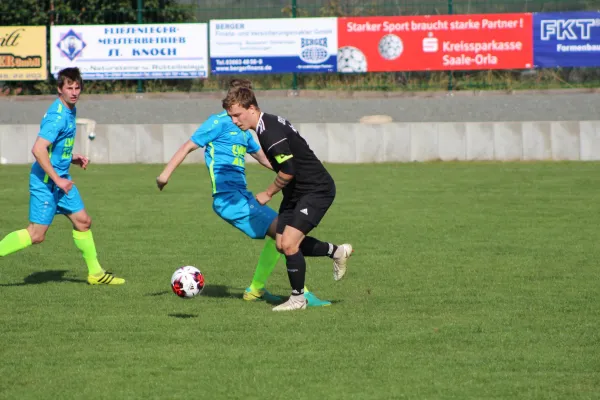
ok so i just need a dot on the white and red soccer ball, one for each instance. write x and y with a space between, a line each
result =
187 282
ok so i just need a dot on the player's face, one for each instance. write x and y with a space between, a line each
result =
244 118
70 92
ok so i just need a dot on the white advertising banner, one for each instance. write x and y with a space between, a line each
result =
273 45
144 51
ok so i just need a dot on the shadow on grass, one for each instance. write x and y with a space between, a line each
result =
41 277
224 292
219 291
183 316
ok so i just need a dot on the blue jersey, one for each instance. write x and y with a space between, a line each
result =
59 128
226 147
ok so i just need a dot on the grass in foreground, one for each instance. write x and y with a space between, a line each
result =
469 281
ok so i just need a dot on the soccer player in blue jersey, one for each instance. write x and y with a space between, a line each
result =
50 186
226 147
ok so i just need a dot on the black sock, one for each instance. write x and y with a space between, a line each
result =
312 247
296 267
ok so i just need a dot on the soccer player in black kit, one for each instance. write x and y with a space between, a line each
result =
308 191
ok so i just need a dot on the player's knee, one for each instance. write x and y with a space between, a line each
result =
289 248
84 223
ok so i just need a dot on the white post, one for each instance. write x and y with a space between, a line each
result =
89 127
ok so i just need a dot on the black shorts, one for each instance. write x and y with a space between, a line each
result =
305 213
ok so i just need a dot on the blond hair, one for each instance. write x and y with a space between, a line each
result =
240 95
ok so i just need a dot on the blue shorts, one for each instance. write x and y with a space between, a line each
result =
46 200
241 210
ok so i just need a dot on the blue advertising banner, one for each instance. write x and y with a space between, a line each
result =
569 39
256 46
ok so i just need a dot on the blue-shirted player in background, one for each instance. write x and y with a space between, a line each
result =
50 186
226 146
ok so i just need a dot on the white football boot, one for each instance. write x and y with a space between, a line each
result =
297 302
340 258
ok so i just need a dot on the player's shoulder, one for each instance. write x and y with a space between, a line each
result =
217 121
217 118
55 112
272 122
273 119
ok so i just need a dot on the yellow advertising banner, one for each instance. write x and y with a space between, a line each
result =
23 53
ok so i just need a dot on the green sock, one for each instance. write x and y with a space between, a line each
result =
85 242
14 241
266 264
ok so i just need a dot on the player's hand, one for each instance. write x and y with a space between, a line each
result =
64 184
80 160
161 182
263 198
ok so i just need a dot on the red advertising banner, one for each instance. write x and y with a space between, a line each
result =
440 42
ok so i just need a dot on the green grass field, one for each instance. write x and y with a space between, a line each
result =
469 281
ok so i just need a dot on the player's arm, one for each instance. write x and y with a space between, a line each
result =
262 159
284 157
281 180
174 162
257 153
40 152
206 133
80 159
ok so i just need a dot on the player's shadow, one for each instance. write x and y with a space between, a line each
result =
40 277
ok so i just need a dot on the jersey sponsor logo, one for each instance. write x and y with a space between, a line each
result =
68 148
239 152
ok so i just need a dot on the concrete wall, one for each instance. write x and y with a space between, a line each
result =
341 143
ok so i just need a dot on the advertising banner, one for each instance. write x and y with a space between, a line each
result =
23 53
566 39
144 51
440 42
255 46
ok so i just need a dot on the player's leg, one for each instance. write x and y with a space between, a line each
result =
241 210
262 221
296 266
42 208
23 238
72 206
314 207
266 264
286 217
269 256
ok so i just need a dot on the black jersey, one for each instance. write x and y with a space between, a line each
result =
281 141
